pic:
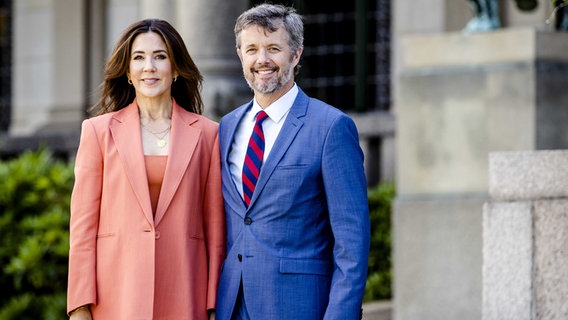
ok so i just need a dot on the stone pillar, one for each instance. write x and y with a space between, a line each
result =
48 91
119 14
525 236
160 9
460 97
207 27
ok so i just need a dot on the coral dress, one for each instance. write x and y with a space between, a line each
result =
155 169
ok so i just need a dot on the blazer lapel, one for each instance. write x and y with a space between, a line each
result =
125 130
183 141
229 128
290 128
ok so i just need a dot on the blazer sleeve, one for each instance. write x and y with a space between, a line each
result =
214 220
85 206
346 192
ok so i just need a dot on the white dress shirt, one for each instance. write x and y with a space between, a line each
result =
271 127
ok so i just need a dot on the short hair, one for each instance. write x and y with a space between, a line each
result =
117 93
271 17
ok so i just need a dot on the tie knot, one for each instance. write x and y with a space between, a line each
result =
260 117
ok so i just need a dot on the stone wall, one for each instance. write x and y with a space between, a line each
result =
525 236
459 98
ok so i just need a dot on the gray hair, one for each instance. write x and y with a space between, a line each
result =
271 17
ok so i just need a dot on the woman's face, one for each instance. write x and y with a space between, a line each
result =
150 67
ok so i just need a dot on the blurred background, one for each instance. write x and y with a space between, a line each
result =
430 100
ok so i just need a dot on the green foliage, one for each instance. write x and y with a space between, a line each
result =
34 224
380 261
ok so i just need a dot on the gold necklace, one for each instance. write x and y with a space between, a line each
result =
161 139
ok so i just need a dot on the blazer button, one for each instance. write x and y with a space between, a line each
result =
157 234
248 220
240 257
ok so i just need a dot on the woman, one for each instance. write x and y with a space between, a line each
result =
147 230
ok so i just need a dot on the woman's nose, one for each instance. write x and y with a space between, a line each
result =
149 65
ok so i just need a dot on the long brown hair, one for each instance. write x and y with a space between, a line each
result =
117 93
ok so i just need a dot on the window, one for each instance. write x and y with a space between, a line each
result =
346 59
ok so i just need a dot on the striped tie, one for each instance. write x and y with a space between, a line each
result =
253 158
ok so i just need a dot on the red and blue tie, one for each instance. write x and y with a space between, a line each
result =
253 158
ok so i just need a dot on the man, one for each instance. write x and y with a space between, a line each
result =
298 231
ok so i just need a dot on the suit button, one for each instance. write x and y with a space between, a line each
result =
157 234
248 220
240 257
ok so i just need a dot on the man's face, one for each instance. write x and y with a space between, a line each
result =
268 63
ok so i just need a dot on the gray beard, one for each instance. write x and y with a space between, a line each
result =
272 85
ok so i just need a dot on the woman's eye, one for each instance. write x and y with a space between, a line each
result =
137 57
161 57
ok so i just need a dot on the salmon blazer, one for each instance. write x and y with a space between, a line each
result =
120 254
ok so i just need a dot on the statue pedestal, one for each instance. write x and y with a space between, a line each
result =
459 97
525 236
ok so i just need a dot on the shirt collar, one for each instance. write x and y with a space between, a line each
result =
279 108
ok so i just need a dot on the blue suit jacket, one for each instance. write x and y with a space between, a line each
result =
302 246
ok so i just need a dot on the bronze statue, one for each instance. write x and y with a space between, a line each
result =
560 15
486 14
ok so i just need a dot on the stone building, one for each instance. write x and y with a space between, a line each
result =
401 68
53 54
458 97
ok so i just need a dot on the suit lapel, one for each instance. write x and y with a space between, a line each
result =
125 126
183 141
230 127
290 128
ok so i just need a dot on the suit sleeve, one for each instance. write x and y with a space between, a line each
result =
214 224
346 192
85 207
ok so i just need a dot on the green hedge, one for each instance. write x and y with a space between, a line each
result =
34 226
380 261
34 222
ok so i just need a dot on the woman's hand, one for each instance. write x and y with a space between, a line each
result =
81 314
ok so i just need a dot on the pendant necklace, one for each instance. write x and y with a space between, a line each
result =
161 139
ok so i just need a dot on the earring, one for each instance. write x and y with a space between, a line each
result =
129 81
175 78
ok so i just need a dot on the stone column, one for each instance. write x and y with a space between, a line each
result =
525 236
460 97
160 9
207 27
48 91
